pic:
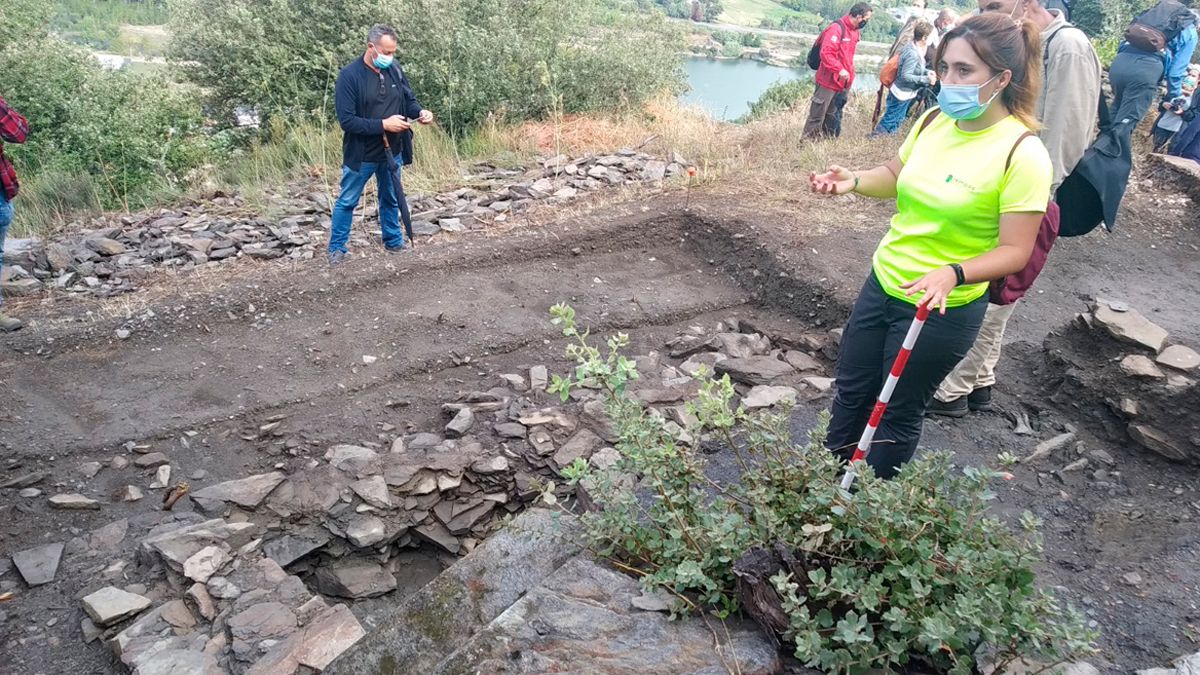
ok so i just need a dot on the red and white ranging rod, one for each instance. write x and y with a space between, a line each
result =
885 395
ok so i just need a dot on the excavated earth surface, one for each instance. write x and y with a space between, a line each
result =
256 373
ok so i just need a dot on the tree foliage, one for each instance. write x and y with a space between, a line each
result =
467 60
128 130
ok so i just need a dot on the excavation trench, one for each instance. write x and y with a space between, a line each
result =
376 363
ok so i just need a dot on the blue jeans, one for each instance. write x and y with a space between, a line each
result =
897 110
6 214
390 203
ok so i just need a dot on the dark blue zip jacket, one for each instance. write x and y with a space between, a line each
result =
354 84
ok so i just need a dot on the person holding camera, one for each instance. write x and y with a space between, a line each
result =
375 107
1170 119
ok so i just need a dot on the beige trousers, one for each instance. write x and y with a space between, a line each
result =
978 367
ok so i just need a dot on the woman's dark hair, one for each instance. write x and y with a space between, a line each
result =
860 9
1003 44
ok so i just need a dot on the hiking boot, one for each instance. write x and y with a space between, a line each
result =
396 249
956 408
980 400
8 324
336 257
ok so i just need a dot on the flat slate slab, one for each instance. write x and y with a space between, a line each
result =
582 619
38 565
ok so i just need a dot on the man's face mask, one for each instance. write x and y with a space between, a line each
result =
382 61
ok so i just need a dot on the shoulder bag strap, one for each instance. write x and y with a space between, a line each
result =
1008 162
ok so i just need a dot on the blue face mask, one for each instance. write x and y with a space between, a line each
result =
961 101
383 61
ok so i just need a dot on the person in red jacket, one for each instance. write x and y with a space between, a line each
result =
835 76
13 129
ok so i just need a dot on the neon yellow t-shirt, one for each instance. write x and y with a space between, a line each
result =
949 197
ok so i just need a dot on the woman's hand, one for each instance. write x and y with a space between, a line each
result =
936 287
835 181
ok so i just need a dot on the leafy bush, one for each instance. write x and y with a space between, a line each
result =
905 571
466 60
779 97
751 40
97 138
724 36
732 50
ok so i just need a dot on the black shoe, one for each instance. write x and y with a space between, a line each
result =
956 408
980 400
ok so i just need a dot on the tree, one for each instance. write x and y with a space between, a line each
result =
466 60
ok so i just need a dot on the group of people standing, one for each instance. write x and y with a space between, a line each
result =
1019 103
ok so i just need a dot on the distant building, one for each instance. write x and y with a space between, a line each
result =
111 61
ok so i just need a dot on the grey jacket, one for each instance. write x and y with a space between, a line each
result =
1070 95
911 74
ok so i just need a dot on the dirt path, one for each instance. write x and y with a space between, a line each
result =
201 373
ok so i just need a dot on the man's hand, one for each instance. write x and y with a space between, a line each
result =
426 117
844 75
396 124
932 79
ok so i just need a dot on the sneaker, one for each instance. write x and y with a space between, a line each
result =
396 249
8 324
336 257
956 408
980 400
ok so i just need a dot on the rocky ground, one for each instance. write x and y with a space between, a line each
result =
345 434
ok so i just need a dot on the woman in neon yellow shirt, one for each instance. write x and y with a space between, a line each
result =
971 184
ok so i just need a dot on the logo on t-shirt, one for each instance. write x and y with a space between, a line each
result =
951 179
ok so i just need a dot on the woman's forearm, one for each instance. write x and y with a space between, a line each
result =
997 263
879 182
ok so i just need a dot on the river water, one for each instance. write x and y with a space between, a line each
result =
725 88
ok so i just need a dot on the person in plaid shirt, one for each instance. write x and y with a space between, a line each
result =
13 129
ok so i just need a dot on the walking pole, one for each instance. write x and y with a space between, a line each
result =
885 395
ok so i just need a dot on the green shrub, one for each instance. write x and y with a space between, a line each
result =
751 40
732 50
466 60
116 138
912 570
779 97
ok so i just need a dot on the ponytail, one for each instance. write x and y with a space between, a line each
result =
1021 96
1004 45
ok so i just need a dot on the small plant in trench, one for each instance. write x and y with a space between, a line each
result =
907 572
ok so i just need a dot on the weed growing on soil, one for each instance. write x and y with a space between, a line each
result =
908 572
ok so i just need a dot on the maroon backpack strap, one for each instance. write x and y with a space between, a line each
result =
1016 145
929 120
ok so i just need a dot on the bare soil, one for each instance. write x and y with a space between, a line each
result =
204 368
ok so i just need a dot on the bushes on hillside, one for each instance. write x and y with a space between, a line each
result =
909 572
129 132
779 97
467 60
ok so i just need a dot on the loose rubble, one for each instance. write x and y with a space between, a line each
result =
1121 371
112 255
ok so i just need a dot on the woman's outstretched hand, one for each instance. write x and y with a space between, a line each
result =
835 181
935 286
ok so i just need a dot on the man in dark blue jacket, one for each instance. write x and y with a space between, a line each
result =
375 105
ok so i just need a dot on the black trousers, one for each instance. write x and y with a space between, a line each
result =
870 342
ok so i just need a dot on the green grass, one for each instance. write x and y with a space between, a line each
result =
752 12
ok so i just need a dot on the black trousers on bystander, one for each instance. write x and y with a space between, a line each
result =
870 342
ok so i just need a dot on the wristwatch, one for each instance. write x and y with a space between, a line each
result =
959 276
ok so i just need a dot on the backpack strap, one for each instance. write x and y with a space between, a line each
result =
928 120
1016 145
